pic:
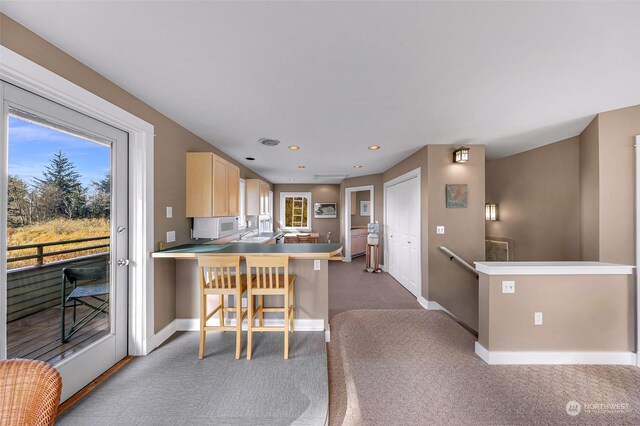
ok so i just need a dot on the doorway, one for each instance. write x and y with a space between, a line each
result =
65 287
358 212
402 230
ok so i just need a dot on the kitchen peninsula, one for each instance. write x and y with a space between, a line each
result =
312 285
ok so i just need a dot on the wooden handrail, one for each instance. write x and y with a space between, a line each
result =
41 254
464 263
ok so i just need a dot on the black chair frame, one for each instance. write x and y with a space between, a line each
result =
93 286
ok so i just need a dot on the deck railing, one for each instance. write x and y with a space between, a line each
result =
40 253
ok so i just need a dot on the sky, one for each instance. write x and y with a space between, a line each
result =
31 148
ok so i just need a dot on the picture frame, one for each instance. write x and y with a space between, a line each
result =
457 196
365 208
325 210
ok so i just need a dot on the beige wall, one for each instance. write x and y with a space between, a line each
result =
586 313
449 284
589 192
171 143
356 219
607 184
376 181
445 282
617 131
319 194
538 197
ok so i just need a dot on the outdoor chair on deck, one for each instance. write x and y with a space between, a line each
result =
91 289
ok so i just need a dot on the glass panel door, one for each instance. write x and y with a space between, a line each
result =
66 229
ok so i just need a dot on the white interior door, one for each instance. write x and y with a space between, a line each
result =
92 349
403 227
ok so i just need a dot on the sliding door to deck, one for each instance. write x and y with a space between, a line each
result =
65 238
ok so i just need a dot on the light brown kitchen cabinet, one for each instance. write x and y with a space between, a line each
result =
257 197
358 241
213 186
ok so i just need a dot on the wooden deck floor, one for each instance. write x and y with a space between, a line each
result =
38 336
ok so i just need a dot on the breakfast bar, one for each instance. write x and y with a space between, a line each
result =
309 262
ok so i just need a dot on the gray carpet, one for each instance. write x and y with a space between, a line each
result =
352 288
171 386
412 367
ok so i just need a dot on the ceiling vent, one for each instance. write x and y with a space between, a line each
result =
325 177
269 142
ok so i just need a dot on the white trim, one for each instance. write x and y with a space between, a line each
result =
299 324
553 268
30 76
327 334
415 173
4 184
435 306
637 191
283 213
165 333
553 358
347 215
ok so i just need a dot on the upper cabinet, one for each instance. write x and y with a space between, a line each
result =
213 186
257 193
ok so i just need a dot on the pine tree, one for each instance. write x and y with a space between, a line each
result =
61 180
17 203
100 201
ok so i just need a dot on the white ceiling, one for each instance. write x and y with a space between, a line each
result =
336 77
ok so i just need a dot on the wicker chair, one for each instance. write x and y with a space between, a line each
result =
29 392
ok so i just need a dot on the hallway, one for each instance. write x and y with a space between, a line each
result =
351 288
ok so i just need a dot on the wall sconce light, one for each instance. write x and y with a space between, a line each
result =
491 211
461 155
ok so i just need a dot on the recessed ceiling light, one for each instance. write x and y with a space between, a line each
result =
269 142
374 147
301 166
292 179
357 166
249 158
294 147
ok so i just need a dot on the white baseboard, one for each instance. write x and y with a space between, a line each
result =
300 324
327 334
531 357
430 305
163 335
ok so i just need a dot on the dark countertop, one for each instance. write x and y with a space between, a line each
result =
294 251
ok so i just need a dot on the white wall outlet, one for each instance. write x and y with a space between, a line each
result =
508 286
537 318
171 236
316 265
169 212
440 229
244 302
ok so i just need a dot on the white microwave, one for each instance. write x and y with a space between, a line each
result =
214 227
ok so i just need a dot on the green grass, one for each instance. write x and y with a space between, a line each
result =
56 230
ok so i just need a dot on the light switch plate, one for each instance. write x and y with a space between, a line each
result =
508 286
440 229
171 236
169 212
537 318
316 265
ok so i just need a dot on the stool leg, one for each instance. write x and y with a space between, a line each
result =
292 302
222 311
249 324
238 324
203 332
261 313
286 323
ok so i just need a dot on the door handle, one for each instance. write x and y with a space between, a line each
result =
121 229
123 262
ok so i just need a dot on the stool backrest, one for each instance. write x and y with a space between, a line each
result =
219 272
304 238
266 270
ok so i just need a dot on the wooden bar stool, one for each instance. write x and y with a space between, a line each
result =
304 238
266 280
220 275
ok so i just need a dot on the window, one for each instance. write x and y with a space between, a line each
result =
242 220
295 210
